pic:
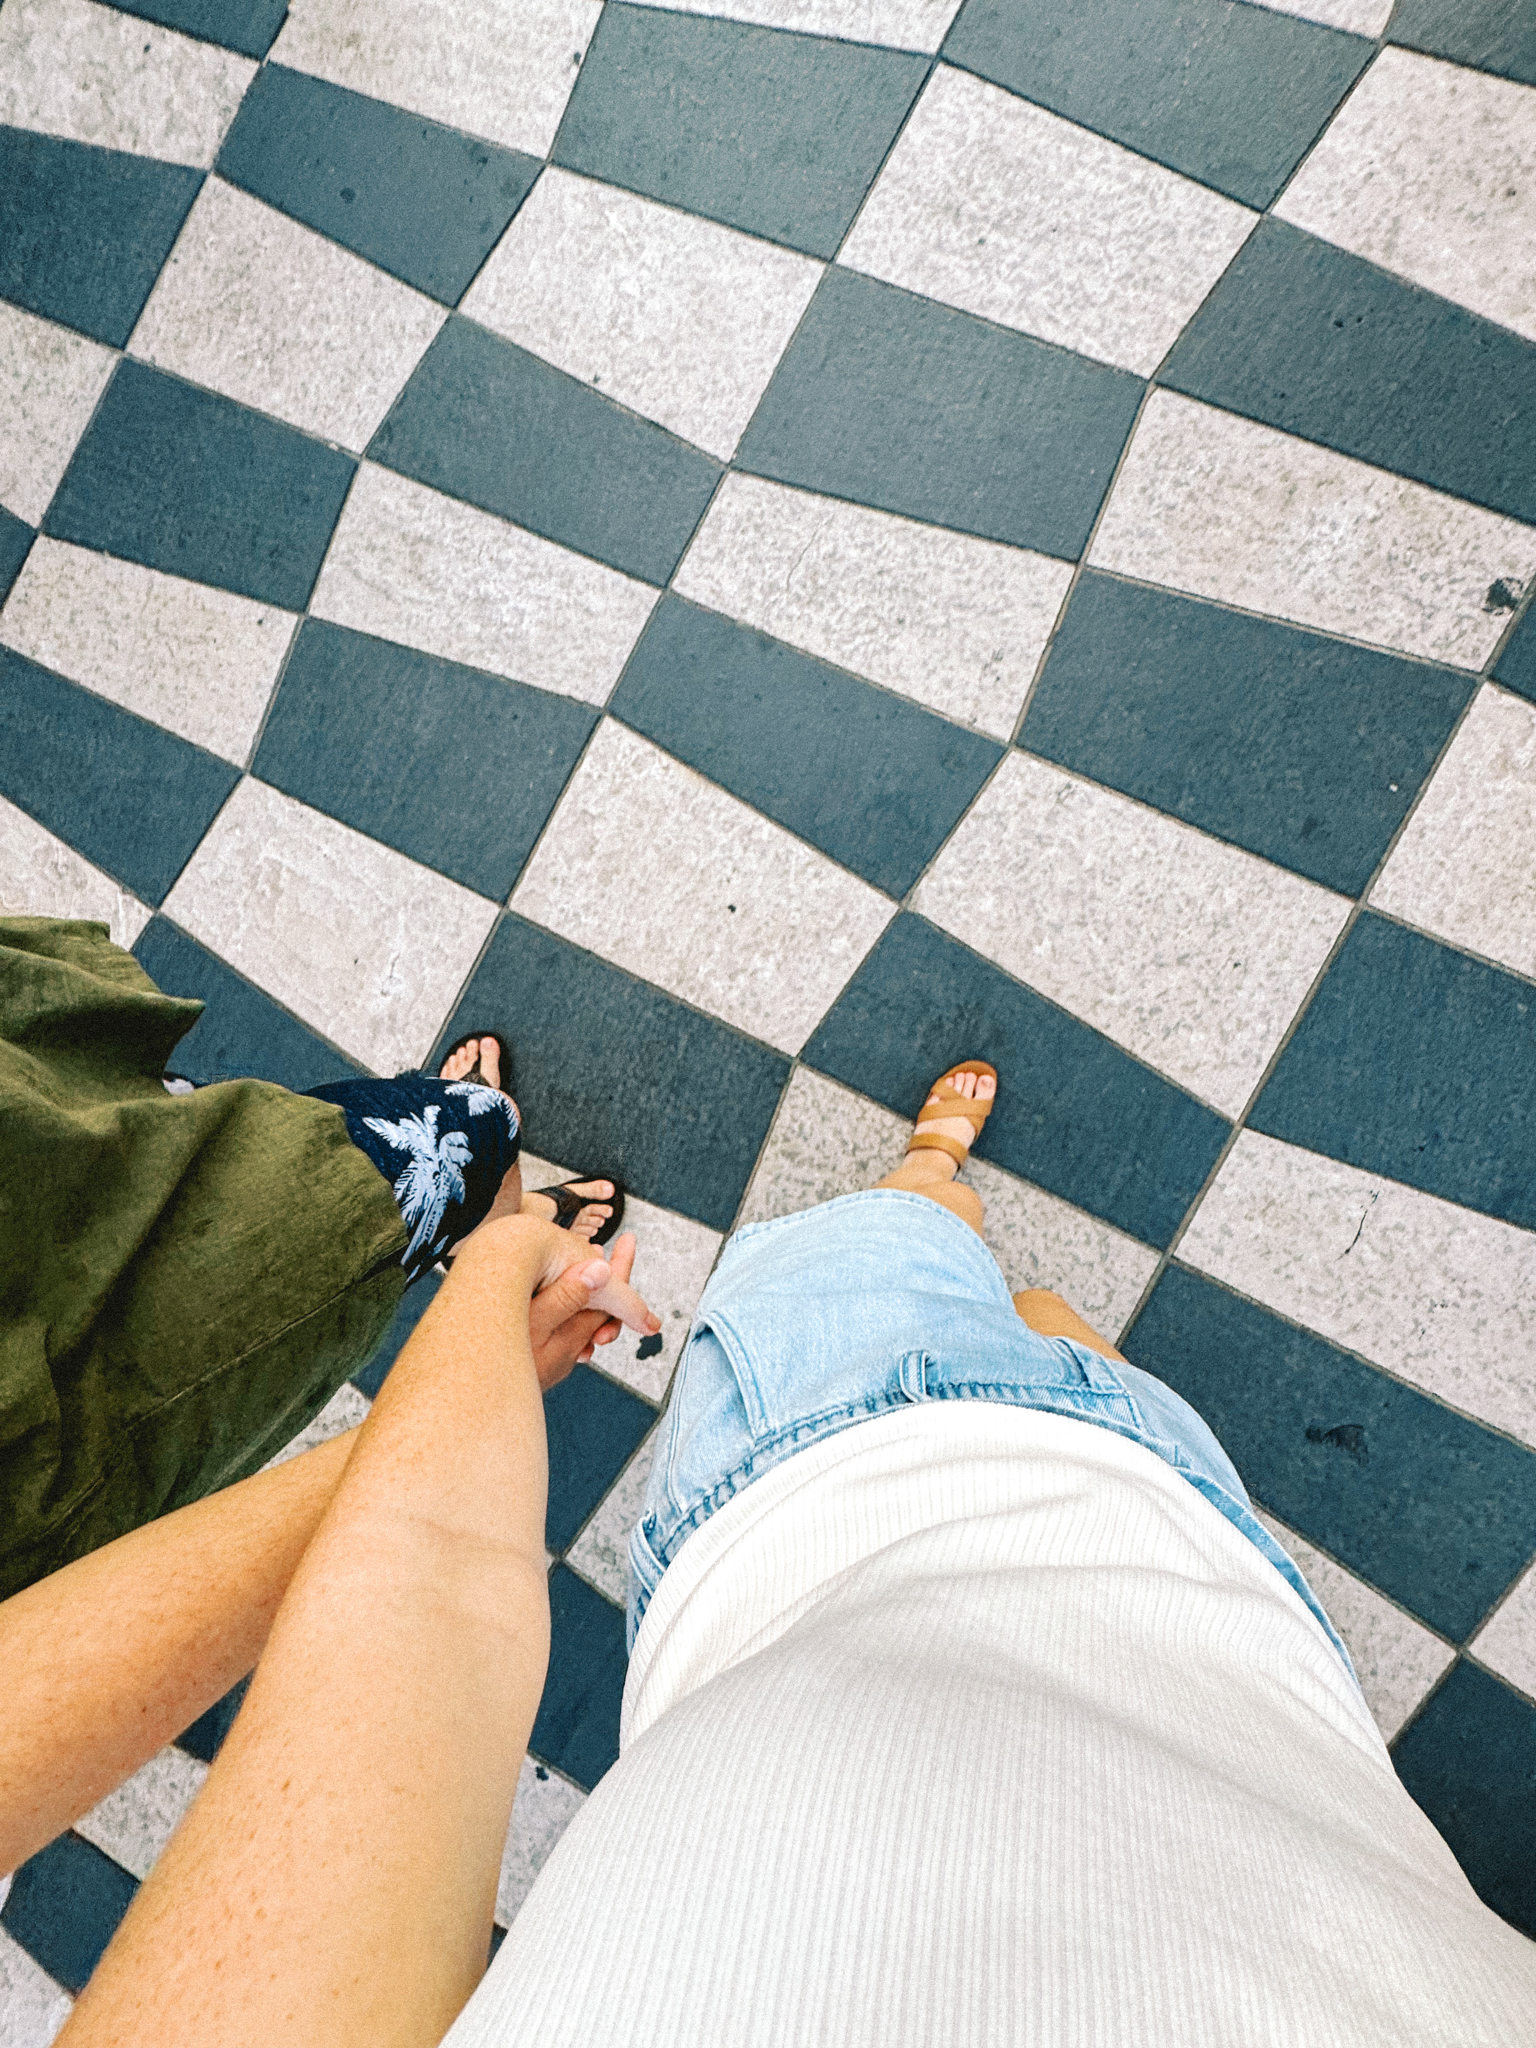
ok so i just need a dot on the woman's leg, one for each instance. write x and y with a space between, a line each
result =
932 1173
104 1662
1052 1317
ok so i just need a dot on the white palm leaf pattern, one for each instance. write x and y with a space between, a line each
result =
431 1178
481 1100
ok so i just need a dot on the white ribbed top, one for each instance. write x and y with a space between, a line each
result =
974 1725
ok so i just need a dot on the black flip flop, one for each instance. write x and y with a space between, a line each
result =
569 1205
476 1073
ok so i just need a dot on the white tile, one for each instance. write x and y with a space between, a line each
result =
1429 169
724 909
133 1824
1190 953
673 1257
90 74
956 623
1219 506
42 877
1356 17
1507 1642
50 381
1465 868
1439 1295
1396 1658
827 1141
601 1552
501 72
32 2006
409 564
198 661
265 310
543 1809
1017 215
673 316
898 24
345 1410
363 944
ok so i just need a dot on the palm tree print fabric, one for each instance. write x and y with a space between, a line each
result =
443 1146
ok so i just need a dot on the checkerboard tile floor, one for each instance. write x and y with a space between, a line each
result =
762 544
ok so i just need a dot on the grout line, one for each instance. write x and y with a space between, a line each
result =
934 58
1465 1656
1503 1601
1422 1704
1338 107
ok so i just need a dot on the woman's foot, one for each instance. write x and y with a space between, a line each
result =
927 1162
591 1219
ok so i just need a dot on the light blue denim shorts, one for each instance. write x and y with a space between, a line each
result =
841 1313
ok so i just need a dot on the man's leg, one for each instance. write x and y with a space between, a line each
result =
932 1173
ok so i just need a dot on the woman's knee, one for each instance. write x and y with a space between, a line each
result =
958 1199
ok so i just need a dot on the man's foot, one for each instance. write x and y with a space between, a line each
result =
928 1162
591 1219
483 1053
486 1053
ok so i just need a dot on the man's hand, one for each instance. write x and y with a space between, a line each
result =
563 1326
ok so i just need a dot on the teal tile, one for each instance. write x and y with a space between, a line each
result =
424 202
189 482
1469 1760
64 1907
1310 339
458 769
1516 666
1077 1115
85 231
130 796
16 539
872 779
248 26
780 135
577 1726
893 401
1490 35
492 424
1228 93
242 1034
1417 1062
1433 1508
615 1076
594 1428
1301 748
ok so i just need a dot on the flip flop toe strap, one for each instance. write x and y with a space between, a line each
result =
568 1206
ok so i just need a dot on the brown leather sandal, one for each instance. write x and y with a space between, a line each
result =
951 1103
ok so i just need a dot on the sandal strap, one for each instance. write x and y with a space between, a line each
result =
952 1103
935 1141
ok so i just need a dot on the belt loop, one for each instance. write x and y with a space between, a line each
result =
912 1375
